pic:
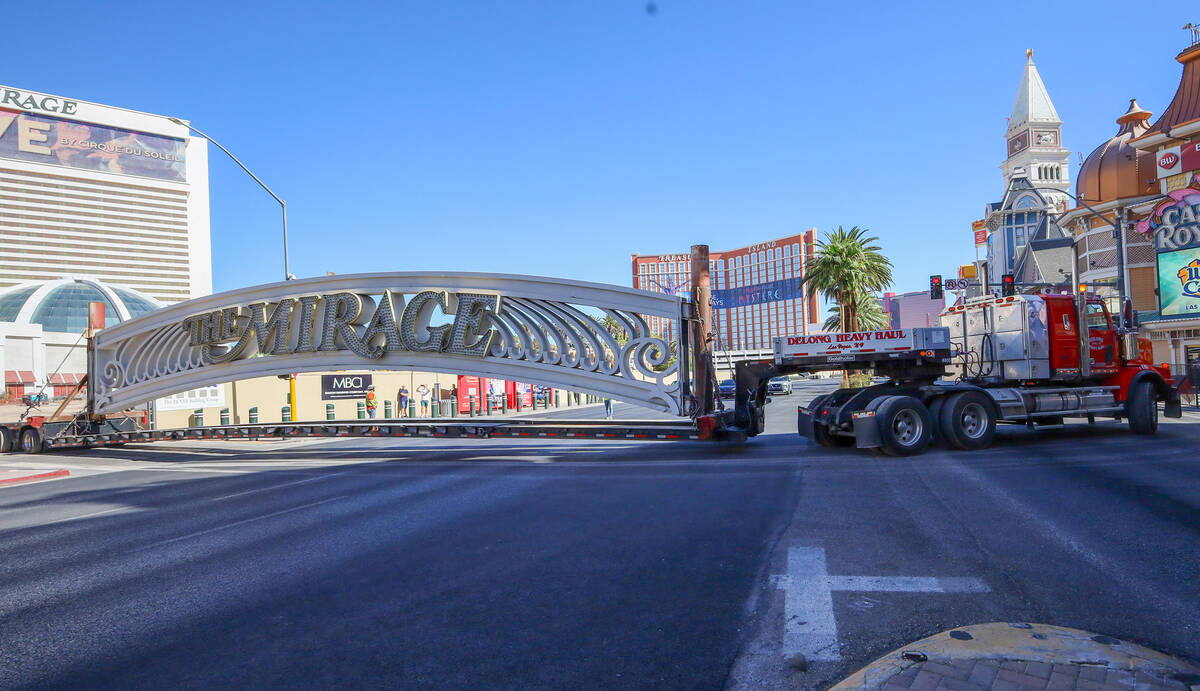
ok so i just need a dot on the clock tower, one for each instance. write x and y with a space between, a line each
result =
1034 140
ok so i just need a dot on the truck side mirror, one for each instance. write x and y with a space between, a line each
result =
1128 315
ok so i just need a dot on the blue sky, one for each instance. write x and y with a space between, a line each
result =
556 138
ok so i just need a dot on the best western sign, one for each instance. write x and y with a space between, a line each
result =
1178 159
346 321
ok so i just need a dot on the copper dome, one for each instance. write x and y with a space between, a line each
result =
1115 170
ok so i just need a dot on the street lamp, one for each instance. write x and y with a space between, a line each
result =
287 275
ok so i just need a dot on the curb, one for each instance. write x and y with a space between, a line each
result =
1021 642
35 478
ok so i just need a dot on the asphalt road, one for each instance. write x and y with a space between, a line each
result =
317 563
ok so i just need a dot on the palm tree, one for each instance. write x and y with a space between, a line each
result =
848 269
870 316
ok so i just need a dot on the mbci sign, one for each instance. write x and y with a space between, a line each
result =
336 387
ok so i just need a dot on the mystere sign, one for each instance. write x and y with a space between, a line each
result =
345 321
40 138
787 289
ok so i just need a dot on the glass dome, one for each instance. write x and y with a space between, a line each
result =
61 306
12 302
65 308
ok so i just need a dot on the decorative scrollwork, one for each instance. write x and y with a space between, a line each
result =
523 330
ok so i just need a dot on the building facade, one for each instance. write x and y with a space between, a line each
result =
757 290
912 310
1036 173
118 195
1168 220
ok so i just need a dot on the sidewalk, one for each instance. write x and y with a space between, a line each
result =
1018 656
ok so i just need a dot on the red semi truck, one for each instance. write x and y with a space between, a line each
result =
1014 359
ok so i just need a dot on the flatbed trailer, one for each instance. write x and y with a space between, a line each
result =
918 406
53 436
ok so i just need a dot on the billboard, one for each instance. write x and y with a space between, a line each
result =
1179 282
57 141
787 289
207 397
980 230
336 387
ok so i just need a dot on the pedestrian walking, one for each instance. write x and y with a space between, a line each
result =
402 396
372 401
608 409
423 393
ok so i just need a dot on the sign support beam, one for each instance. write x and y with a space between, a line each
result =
702 344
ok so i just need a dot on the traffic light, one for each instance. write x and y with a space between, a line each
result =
935 287
1010 285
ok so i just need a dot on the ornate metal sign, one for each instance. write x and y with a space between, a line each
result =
530 329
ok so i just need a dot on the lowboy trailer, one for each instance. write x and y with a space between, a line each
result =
1012 359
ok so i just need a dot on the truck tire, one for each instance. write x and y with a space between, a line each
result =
968 421
31 441
1142 408
6 440
824 439
905 425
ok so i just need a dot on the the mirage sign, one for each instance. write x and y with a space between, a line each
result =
567 334
345 321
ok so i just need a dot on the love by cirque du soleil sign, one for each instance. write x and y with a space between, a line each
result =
345 321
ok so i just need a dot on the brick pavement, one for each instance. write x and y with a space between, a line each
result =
1019 675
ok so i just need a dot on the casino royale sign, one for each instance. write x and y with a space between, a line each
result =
346 321
1178 228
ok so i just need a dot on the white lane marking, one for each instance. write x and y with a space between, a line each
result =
236 523
907 584
86 515
809 624
286 484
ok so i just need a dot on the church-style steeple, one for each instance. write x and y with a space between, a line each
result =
1034 138
1033 104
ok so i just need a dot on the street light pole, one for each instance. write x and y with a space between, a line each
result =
287 274
1118 235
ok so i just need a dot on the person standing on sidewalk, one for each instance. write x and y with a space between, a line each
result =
372 401
608 409
423 392
402 397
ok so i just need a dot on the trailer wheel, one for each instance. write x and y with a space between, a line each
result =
6 441
1142 408
31 441
967 421
905 425
825 439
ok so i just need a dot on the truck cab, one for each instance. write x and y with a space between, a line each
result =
1104 346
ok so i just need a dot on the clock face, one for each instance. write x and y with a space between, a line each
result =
1018 143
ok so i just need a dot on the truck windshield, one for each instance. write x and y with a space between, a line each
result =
1097 318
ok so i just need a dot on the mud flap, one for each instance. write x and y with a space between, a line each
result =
804 423
866 430
1173 408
